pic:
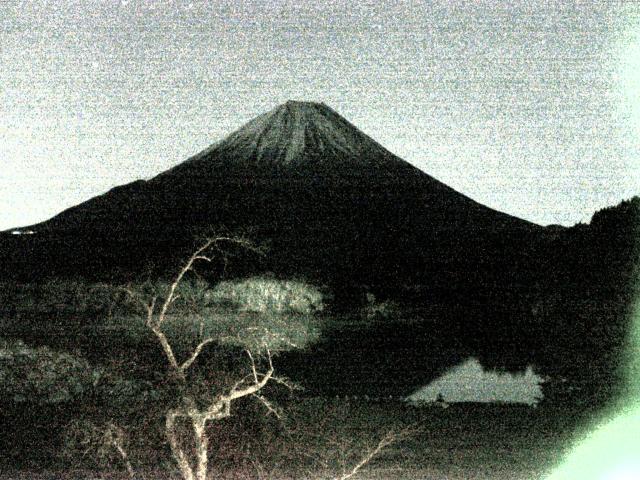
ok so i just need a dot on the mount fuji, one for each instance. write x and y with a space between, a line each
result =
330 201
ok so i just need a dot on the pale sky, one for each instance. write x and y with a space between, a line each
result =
530 107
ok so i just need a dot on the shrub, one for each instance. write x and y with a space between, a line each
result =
261 295
41 375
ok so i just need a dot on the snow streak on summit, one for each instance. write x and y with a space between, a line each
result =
299 135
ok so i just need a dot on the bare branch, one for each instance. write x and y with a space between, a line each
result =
172 288
366 459
270 360
236 392
253 366
150 310
241 241
135 296
217 410
198 255
388 439
202 442
156 324
115 436
240 382
290 384
166 348
270 407
221 406
187 363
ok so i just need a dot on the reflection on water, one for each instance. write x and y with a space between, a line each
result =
470 382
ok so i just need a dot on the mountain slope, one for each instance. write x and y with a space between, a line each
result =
330 201
297 141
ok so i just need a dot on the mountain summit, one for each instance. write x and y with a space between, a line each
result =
298 132
296 136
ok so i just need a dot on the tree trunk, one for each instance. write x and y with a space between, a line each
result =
176 449
202 447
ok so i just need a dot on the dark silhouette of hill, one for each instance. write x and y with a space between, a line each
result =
338 209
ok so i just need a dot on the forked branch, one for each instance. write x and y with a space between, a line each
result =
258 383
194 355
115 436
155 319
388 439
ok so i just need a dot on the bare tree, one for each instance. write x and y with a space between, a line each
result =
258 341
390 438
